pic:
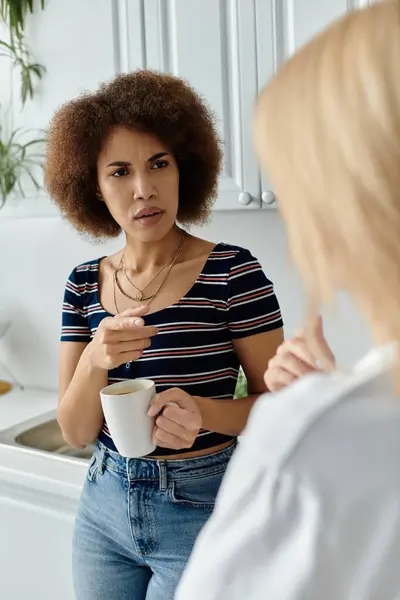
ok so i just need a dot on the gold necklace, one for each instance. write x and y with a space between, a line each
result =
150 298
139 296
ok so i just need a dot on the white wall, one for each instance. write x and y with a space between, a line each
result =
37 254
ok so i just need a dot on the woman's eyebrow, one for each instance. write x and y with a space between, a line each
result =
157 156
124 163
120 163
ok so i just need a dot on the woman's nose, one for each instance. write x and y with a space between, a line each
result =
143 187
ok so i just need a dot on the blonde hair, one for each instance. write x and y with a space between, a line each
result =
328 133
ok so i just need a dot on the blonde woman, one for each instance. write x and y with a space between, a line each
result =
310 506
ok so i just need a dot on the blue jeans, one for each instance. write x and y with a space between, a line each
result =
137 522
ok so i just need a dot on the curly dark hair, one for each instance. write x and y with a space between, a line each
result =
146 101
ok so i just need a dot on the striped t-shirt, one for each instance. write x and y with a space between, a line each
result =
193 350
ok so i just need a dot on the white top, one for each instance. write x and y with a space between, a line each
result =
310 506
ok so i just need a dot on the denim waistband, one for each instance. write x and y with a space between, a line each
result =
151 469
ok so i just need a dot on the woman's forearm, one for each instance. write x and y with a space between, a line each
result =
226 416
79 412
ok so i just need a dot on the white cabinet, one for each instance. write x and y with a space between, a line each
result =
227 49
288 24
212 44
35 545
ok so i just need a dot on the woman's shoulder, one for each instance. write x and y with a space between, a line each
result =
85 271
323 414
230 249
232 255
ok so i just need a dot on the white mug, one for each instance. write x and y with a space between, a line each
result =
125 406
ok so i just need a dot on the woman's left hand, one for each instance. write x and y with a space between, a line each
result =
179 419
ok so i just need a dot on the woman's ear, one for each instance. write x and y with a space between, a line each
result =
99 195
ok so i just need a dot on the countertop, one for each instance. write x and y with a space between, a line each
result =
26 471
18 405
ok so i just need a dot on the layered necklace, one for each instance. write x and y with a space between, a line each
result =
140 295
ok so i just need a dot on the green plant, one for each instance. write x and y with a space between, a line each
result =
16 157
14 162
241 385
17 51
14 12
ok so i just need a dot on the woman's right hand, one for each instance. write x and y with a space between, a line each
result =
304 353
120 339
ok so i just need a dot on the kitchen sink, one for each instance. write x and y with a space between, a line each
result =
47 437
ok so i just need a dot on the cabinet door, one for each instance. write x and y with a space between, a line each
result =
35 545
289 24
211 43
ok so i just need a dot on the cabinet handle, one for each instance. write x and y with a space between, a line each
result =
245 198
268 198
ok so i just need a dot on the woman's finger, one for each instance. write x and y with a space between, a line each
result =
168 440
278 380
174 428
127 357
130 333
292 364
131 346
318 345
297 346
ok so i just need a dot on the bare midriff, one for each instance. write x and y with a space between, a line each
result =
197 453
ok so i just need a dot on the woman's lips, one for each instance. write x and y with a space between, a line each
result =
149 219
147 212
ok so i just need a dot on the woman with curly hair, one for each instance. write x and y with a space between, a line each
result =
140 156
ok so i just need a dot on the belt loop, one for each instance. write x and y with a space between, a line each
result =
101 460
162 466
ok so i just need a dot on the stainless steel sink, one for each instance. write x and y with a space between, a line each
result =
47 437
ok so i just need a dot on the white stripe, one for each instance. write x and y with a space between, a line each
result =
199 374
171 383
230 256
199 282
69 305
249 262
275 312
88 288
66 334
254 326
194 329
66 327
203 306
186 356
205 346
239 304
249 272
72 290
72 285
107 434
185 383
173 323
72 311
95 305
83 268
93 312
260 289
202 299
